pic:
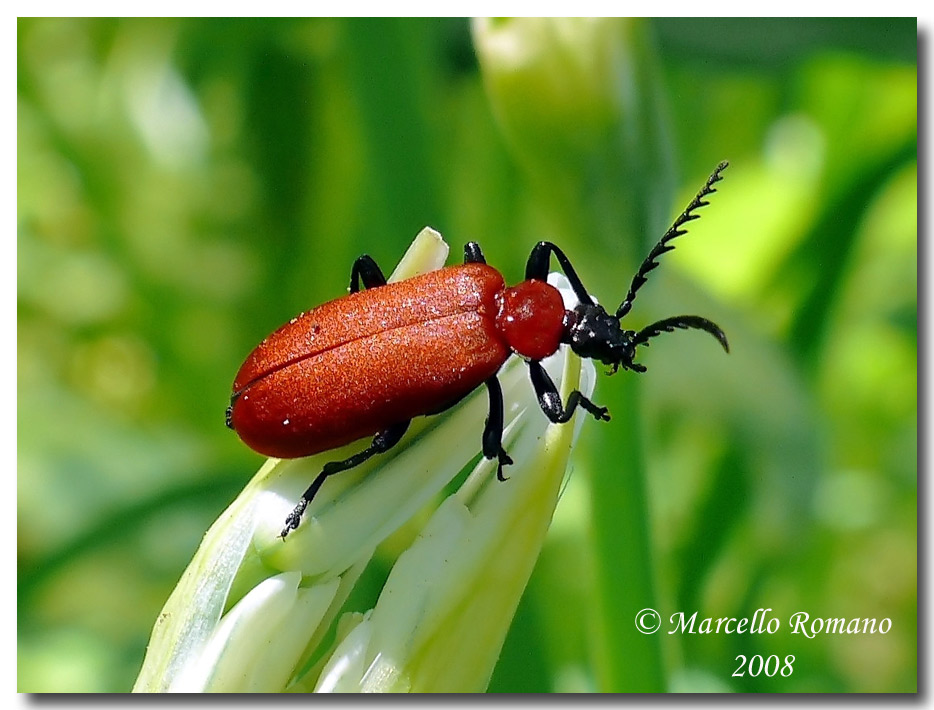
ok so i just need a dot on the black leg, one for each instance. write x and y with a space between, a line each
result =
493 431
540 259
365 269
382 442
472 254
550 400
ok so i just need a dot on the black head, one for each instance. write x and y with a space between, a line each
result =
593 333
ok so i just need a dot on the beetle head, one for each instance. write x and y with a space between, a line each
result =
593 333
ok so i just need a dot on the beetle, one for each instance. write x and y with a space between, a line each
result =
366 364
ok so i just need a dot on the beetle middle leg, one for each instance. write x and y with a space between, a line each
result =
366 269
493 430
382 442
550 400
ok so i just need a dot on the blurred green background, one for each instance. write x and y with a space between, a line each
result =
186 186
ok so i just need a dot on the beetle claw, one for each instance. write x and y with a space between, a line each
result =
504 460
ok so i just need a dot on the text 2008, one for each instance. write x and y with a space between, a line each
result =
770 666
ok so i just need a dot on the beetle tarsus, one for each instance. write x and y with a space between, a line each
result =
502 460
294 518
601 414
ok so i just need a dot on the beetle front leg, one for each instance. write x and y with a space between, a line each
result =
493 430
365 269
382 442
539 261
550 400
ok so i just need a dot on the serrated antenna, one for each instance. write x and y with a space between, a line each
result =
663 244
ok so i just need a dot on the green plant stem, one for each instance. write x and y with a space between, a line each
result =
626 660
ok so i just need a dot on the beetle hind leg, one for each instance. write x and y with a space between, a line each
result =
493 431
382 442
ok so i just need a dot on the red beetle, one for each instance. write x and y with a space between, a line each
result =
367 363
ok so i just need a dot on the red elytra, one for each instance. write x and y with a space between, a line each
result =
368 363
